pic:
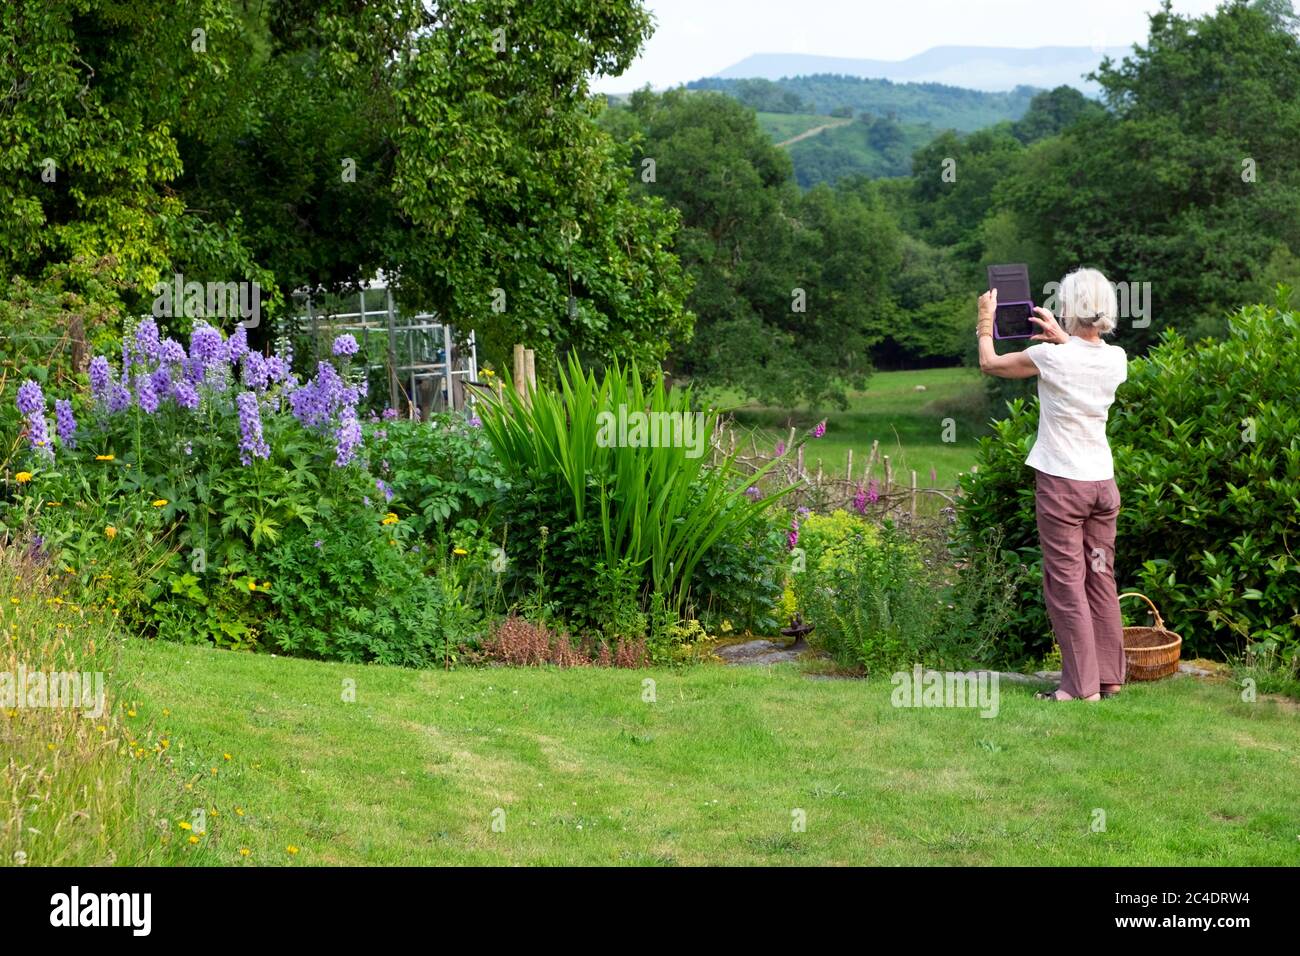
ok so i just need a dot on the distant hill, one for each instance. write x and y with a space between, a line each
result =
978 68
944 107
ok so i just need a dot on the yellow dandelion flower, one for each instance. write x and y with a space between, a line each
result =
239 811
159 502
244 851
103 458
460 551
166 712
185 825
189 786
252 585
194 839
390 518
49 747
165 743
226 756
214 771
111 532
54 504
23 477
130 713
291 850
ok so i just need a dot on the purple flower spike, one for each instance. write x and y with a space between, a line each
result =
345 345
145 393
147 344
819 429
65 422
348 437
251 443
30 398
101 378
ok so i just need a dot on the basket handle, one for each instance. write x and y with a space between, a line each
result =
1160 624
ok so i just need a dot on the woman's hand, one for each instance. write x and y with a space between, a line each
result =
1051 332
988 305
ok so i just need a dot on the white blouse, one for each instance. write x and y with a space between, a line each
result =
1076 386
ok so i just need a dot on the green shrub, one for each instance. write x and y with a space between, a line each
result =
866 590
1206 441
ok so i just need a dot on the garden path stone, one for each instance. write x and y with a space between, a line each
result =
760 652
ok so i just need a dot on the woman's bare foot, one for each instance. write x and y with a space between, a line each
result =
1059 694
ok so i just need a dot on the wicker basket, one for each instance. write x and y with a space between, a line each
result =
1151 652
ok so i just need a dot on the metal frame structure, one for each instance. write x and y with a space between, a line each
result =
420 352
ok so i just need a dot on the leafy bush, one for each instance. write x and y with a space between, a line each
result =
866 590
1206 441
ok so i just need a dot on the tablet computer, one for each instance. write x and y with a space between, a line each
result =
1015 303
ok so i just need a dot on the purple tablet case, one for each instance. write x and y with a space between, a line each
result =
1015 302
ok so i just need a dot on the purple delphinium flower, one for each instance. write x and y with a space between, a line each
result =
251 443
753 493
256 373
475 421
31 403
873 491
348 437
161 380
385 487
792 537
185 394
30 398
280 365
147 345
345 345
205 345
390 414
860 501
189 448
237 344
145 394
65 422
318 543
171 352
101 378
119 398
819 429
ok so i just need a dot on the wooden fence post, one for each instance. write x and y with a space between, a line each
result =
913 492
521 372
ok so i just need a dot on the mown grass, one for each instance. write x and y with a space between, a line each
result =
581 769
909 424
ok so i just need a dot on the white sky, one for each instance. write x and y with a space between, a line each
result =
695 38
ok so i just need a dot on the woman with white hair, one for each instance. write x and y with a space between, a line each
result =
1076 498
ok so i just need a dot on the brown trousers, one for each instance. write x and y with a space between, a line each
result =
1076 527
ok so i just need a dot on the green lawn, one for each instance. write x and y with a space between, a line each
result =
586 772
908 424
